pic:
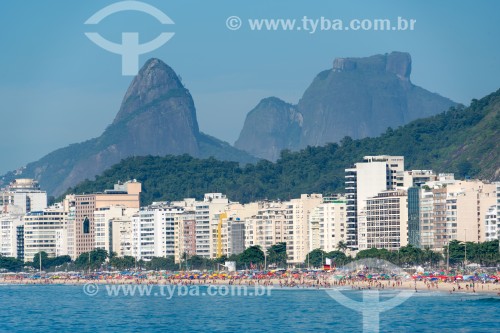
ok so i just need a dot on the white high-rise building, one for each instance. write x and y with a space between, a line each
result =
491 224
213 203
383 222
23 194
69 206
417 177
426 218
467 203
367 179
9 224
452 209
228 228
268 226
328 225
42 232
113 228
153 231
297 220
61 242
288 222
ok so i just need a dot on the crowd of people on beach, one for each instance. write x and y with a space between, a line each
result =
285 279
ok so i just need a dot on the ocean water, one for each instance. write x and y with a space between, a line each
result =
63 308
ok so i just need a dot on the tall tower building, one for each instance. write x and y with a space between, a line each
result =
366 179
213 203
297 225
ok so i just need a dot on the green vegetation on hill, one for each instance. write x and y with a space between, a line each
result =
464 141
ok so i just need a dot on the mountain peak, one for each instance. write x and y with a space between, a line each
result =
398 63
358 97
156 72
157 117
154 80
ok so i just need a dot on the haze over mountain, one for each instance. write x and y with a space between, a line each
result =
461 140
358 97
157 117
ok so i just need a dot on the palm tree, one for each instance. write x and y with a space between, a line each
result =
342 246
428 255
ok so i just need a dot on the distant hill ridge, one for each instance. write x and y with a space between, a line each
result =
461 140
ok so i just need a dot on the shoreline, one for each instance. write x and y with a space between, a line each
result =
284 284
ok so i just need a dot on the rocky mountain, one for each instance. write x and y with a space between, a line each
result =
357 97
282 128
157 117
462 140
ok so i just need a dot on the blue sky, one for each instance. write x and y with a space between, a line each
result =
57 87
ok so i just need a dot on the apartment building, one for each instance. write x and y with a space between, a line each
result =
45 231
269 226
491 225
82 229
184 235
205 211
23 194
366 179
9 225
383 223
468 202
154 230
328 225
113 229
297 220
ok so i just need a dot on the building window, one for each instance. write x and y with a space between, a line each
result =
86 226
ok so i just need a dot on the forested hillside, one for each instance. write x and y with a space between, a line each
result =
464 141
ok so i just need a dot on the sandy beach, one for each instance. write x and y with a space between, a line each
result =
289 283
